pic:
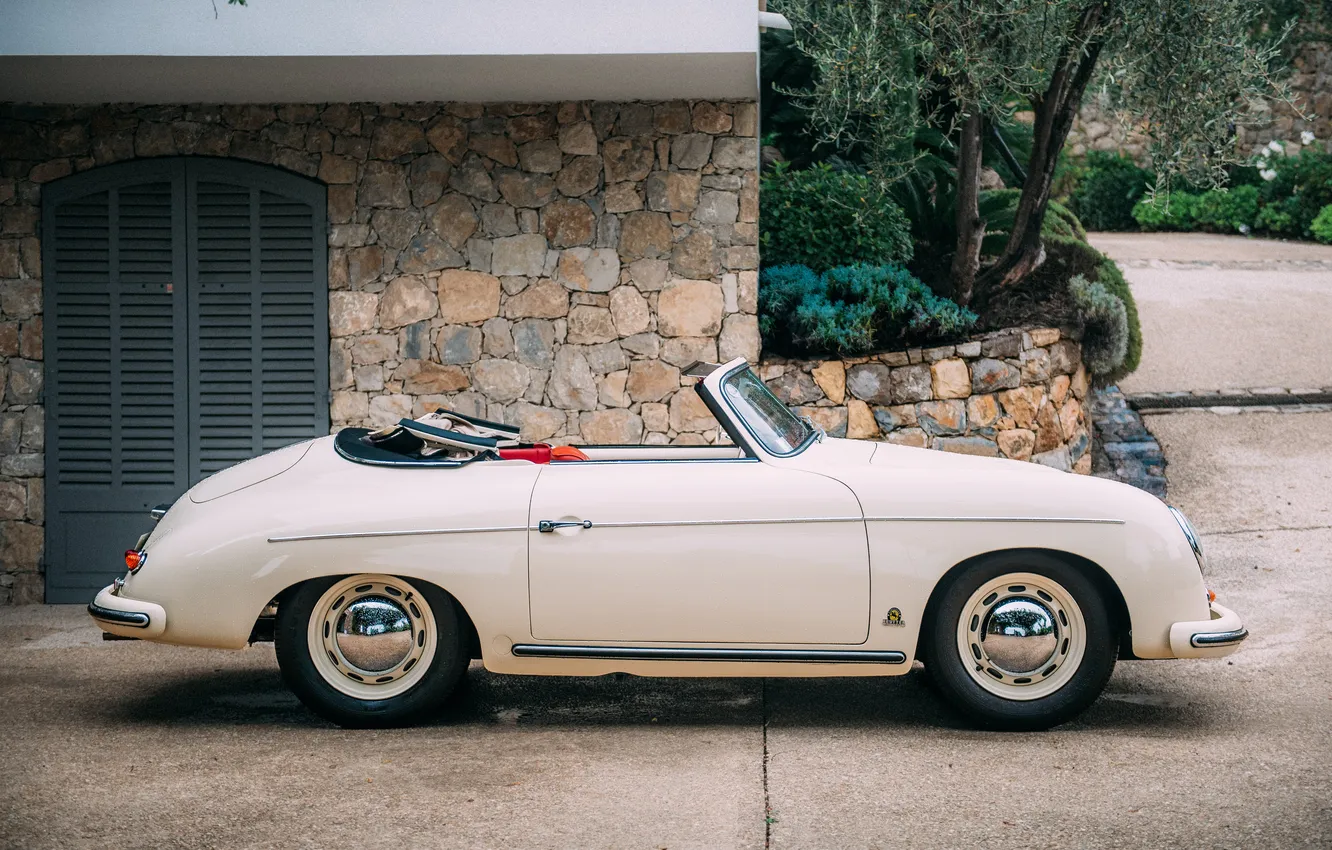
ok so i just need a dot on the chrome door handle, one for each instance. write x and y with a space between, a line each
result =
546 526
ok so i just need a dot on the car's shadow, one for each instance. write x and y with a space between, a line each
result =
258 697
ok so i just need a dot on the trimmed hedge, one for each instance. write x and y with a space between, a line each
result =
823 219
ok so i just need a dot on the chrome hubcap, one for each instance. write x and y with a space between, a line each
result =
372 637
1020 635
374 634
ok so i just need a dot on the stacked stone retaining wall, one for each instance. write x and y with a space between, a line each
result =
1016 394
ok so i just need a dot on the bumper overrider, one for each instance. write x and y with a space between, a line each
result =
124 617
1214 638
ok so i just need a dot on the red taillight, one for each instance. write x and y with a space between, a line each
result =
134 558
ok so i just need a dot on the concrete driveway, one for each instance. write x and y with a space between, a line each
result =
1227 312
135 745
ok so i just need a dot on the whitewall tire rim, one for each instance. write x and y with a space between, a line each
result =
372 637
1021 636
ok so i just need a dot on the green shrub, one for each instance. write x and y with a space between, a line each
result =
1299 189
823 218
1322 225
1107 190
853 310
1276 218
1228 210
1104 325
1167 211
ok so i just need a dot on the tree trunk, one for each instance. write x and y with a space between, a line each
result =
970 227
1054 114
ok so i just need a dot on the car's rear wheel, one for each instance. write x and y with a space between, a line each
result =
1020 642
370 650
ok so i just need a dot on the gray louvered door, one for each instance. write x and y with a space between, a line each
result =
186 316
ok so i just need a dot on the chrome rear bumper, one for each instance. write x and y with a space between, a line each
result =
127 617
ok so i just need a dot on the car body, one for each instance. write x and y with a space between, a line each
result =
786 554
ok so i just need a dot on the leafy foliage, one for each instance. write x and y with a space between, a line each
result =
823 218
1283 197
1322 225
1107 190
1167 211
1104 325
1299 189
1228 210
852 310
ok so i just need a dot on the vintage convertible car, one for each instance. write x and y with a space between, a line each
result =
380 573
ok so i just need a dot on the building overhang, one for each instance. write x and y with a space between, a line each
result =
317 51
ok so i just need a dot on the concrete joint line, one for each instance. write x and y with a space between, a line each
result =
767 799
1267 530
1263 397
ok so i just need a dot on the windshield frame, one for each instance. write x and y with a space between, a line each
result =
750 438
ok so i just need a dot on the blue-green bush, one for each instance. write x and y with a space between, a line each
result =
1105 328
850 310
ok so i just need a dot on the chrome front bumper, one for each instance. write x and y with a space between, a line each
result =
1214 638
125 617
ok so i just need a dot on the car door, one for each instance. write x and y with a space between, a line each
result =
713 552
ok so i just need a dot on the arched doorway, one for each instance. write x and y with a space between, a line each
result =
186 317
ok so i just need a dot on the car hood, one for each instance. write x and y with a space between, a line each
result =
895 480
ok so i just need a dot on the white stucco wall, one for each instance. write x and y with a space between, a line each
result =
328 50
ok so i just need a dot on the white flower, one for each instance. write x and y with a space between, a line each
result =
1267 174
1244 229
1307 137
1275 147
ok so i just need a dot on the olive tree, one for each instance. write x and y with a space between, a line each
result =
1182 72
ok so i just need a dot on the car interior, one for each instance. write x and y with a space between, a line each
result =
448 439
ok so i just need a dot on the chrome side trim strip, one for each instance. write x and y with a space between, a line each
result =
1210 639
645 653
416 532
1063 519
671 523
686 523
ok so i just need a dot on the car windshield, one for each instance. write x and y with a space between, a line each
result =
774 425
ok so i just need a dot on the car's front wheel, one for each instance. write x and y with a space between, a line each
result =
1020 642
370 650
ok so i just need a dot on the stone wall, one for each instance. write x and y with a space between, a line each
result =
1016 394
549 264
1096 128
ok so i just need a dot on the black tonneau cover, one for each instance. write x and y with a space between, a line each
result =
349 445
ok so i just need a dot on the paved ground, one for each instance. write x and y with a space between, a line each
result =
134 745
1227 312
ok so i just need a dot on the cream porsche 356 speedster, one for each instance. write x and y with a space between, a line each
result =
381 570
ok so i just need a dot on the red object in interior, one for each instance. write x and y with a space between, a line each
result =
539 453
566 453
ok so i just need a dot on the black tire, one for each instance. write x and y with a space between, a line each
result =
300 675
951 673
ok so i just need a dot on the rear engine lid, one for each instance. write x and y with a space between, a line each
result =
249 473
